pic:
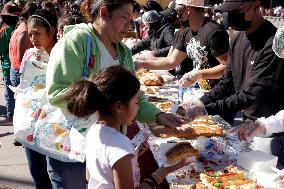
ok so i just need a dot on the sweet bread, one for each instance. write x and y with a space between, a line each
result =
152 80
228 177
181 151
199 127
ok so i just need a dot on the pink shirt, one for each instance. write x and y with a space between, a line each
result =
13 53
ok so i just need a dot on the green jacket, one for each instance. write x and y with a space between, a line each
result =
4 49
66 66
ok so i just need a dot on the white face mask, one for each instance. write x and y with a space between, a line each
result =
278 42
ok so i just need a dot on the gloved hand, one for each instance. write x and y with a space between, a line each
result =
194 108
247 131
190 78
280 179
278 42
138 64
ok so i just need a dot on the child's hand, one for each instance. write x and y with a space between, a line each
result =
143 148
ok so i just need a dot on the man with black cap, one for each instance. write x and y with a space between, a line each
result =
9 17
205 42
253 81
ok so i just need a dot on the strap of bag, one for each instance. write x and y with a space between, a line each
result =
85 72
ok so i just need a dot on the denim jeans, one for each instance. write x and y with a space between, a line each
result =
38 169
15 77
9 96
66 175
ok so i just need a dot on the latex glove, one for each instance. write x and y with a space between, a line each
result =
280 179
169 120
247 131
190 78
278 42
194 108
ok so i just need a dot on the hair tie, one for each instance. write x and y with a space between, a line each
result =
37 16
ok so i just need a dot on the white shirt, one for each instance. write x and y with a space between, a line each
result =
104 147
106 59
273 124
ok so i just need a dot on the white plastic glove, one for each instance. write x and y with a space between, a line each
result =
190 78
278 42
247 131
194 108
279 180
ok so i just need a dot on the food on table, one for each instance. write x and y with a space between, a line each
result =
199 127
181 151
228 178
151 90
164 106
152 80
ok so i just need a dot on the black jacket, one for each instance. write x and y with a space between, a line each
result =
160 40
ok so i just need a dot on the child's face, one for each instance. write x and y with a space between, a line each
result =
40 36
130 110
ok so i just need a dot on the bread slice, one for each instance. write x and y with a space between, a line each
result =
181 151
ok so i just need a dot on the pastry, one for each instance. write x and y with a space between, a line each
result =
199 127
164 106
181 151
229 177
152 80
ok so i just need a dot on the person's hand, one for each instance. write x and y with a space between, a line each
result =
279 180
162 172
138 64
190 78
169 120
143 148
194 108
247 131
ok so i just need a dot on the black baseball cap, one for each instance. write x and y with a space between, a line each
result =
170 10
230 5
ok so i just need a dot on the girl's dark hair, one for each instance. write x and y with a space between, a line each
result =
109 86
45 18
152 5
69 19
49 5
90 8
29 9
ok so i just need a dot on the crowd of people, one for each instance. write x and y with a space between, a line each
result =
239 73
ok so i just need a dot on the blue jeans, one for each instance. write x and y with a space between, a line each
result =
66 175
38 169
15 77
9 96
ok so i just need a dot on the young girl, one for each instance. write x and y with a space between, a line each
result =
42 33
110 157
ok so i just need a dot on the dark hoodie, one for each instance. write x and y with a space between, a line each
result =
160 38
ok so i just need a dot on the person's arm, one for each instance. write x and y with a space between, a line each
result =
222 90
164 63
23 43
142 45
274 123
123 176
215 72
261 80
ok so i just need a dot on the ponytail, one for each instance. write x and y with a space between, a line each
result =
83 98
